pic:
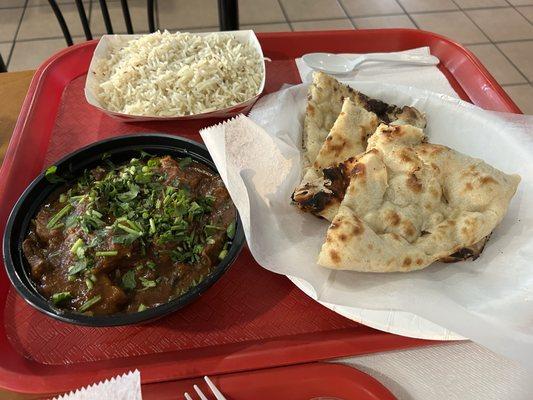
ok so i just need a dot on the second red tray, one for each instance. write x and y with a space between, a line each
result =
251 318
315 381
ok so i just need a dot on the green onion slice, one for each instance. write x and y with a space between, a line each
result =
77 244
89 303
60 297
89 283
231 230
55 219
148 283
107 253
222 254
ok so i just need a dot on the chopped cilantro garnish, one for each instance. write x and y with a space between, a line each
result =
50 175
185 162
151 265
77 267
147 283
142 307
125 239
128 280
130 194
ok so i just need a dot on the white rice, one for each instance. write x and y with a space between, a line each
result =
177 74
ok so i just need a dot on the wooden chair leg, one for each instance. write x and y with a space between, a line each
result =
61 21
228 15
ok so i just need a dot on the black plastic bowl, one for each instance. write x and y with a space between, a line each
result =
120 149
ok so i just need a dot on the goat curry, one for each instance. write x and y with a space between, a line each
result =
124 238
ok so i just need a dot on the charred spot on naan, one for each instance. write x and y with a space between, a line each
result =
469 252
316 199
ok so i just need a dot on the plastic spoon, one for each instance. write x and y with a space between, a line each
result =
335 64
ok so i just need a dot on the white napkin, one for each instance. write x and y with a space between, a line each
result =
419 76
122 387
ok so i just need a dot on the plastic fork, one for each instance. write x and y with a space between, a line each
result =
214 390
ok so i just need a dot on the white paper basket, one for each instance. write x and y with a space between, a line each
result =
101 51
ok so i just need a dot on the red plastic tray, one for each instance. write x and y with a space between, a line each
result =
298 382
251 318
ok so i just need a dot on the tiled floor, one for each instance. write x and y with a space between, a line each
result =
499 32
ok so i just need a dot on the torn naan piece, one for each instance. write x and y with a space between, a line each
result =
325 101
411 203
324 183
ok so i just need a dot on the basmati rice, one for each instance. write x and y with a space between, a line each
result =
165 74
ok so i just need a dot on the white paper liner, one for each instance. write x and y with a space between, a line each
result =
487 300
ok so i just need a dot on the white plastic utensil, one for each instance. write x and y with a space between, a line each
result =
336 64
214 390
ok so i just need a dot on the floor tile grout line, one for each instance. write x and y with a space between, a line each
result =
397 14
259 24
512 41
14 42
406 13
339 2
455 9
517 84
491 41
287 20
512 63
46 38
518 11
41 5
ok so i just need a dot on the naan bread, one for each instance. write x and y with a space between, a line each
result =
411 203
325 100
324 183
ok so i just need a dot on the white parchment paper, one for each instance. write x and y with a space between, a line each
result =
122 387
488 300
